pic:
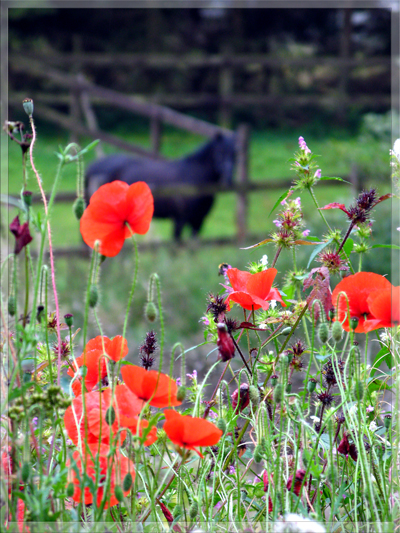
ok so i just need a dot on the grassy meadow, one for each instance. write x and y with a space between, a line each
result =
190 272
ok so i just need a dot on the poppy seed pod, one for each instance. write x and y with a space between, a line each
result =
226 348
337 331
27 198
323 332
79 207
354 322
387 421
311 385
69 319
274 380
288 388
27 104
119 493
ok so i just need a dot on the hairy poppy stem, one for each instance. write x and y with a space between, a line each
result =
276 256
241 355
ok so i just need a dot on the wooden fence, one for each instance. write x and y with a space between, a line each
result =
80 96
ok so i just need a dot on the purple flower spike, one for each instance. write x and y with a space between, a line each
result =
318 174
306 233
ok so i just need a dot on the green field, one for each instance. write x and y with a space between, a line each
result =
188 273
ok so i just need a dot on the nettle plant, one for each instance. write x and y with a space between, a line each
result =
301 434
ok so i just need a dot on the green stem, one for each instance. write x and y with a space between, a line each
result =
318 209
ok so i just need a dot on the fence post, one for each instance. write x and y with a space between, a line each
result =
155 133
89 114
242 147
225 91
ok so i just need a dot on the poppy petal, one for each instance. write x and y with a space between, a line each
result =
140 206
260 283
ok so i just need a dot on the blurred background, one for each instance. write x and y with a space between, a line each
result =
270 75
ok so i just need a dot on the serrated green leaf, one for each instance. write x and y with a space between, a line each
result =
348 246
317 250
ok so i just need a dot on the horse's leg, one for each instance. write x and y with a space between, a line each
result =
178 228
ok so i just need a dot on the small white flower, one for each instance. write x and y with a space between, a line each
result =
369 409
316 419
294 523
396 149
264 261
263 326
272 304
373 426
353 409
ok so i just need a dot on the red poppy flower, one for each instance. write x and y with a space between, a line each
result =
95 361
111 208
93 426
189 432
118 465
151 386
358 288
385 308
252 291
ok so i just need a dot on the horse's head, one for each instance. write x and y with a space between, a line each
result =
224 157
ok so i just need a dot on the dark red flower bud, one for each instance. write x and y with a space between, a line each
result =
21 234
244 399
298 480
225 344
344 445
266 483
168 515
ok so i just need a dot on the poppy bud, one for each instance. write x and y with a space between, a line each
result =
151 312
177 512
323 332
127 483
93 296
226 348
28 106
79 207
358 390
27 198
221 424
278 393
274 380
311 385
25 472
119 493
70 490
180 395
69 319
258 453
387 421
12 305
254 395
288 388
353 322
285 331
193 510
110 416
244 397
337 331
357 353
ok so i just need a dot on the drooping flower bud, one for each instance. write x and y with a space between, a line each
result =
358 390
180 395
254 395
79 207
93 296
278 393
337 331
119 494
323 332
70 490
193 510
12 305
151 311
258 453
221 424
25 472
110 416
226 348
127 483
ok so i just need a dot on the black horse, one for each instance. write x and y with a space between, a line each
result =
212 163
